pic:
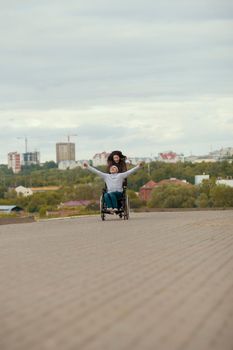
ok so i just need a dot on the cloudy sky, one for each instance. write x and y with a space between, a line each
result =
143 76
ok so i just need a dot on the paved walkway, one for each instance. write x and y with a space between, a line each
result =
159 281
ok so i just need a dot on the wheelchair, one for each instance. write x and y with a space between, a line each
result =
123 206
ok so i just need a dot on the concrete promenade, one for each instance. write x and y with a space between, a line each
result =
160 281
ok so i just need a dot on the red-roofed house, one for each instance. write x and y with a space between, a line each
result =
170 157
145 190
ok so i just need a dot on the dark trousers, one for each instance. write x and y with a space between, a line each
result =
111 199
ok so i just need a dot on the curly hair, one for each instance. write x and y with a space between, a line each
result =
121 165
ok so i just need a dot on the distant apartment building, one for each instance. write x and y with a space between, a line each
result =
200 178
170 157
135 160
205 159
226 182
68 164
30 158
173 181
65 151
100 158
14 162
200 159
23 191
222 154
190 158
26 191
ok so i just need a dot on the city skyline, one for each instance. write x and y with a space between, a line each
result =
67 154
141 76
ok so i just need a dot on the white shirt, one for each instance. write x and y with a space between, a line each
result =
114 182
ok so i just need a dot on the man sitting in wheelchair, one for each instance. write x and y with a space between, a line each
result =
114 183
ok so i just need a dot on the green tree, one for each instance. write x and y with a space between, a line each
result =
203 201
134 200
173 196
137 203
50 165
42 211
3 190
84 192
204 190
132 194
221 196
137 180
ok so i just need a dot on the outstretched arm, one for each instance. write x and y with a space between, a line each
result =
131 171
94 170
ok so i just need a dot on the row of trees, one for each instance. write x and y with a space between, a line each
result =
50 200
207 195
80 184
49 174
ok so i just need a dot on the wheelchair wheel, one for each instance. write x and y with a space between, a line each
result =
102 213
126 208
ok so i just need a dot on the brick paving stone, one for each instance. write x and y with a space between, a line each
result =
158 281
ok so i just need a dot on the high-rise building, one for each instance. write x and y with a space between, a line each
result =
14 162
30 158
65 151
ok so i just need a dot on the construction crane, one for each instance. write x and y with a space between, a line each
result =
26 142
69 135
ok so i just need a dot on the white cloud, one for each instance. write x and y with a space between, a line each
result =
139 75
139 128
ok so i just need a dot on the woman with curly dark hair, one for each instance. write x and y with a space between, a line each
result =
118 159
